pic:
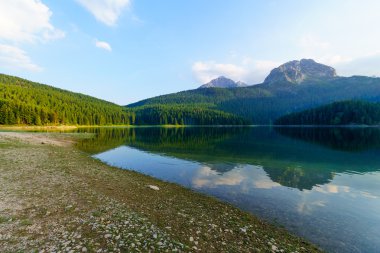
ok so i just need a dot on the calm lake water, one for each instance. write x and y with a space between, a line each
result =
320 183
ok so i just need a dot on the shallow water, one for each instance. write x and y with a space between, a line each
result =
320 183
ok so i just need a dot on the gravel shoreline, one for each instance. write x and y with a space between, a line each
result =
55 198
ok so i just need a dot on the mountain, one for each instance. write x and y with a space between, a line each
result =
223 82
263 103
299 71
338 113
30 103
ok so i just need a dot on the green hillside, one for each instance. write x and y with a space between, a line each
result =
338 113
26 102
264 103
182 114
29 103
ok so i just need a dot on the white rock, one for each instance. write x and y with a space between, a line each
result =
191 239
84 249
154 187
274 247
108 236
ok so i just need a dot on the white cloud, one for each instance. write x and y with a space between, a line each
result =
206 71
103 45
364 65
311 43
26 21
12 57
249 70
334 60
105 11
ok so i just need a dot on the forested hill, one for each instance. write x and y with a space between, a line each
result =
30 103
264 103
338 113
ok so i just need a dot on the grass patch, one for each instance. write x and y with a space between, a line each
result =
4 219
26 222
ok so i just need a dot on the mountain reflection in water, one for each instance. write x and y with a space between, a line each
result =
320 183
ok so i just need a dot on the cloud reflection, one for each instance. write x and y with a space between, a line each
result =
245 176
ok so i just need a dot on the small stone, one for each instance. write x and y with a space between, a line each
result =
108 236
191 239
274 247
154 187
84 249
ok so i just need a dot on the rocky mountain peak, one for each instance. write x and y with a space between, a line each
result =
223 82
299 71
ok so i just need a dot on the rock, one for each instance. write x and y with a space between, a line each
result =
191 239
274 247
84 249
299 71
154 187
223 82
108 236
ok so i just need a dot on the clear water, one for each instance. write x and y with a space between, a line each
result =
320 183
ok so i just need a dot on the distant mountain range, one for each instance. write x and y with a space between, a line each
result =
295 72
292 87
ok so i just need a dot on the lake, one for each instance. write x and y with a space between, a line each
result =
320 183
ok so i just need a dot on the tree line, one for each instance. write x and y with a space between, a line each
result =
338 113
184 115
23 102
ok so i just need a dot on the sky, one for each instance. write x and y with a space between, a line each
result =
127 50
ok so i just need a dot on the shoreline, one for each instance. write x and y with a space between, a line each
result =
57 128
49 185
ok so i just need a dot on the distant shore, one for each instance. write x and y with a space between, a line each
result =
28 127
56 198
72 127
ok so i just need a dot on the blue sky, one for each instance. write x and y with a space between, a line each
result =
127 50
